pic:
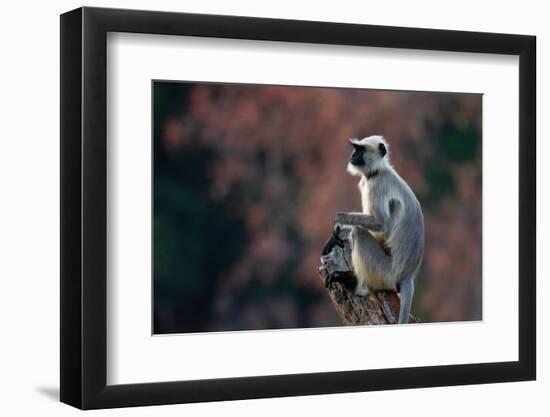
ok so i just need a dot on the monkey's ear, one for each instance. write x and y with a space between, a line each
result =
356 146
382 149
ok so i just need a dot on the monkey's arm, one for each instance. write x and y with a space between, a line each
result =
359 219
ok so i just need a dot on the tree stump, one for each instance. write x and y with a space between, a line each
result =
381 307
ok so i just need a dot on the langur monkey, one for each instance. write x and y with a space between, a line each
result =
387 238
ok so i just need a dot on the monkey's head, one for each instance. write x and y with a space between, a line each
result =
369 154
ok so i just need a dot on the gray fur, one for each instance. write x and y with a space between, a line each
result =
387 238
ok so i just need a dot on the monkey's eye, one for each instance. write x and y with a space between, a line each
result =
358 148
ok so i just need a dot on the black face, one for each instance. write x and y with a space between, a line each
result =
357 155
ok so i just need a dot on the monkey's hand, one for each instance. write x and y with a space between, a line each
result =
334 240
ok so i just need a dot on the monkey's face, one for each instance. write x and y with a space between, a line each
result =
366 156
357 157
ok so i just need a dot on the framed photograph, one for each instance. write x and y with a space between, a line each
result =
258 208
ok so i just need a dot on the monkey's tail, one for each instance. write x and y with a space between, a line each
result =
406 292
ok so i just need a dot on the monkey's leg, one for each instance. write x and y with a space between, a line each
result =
347 278
371 262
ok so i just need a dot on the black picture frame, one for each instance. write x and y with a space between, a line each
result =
84 207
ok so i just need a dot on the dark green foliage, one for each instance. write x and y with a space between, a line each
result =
453 146
458 144
193 239
193 242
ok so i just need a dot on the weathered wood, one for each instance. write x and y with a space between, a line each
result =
381 307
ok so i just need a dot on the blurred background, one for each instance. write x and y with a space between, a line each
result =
248 178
